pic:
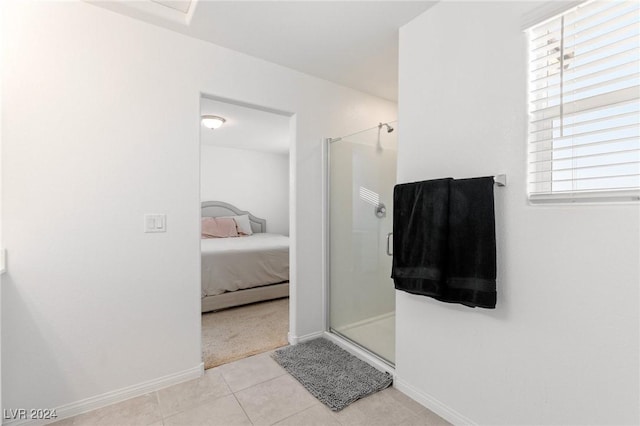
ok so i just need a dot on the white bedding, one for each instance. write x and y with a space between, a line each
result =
230 264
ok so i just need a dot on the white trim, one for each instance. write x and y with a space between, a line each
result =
99 401
366 321
191 12
156 11
431 403
294 340
360 353
622 197
3 261
293 225
325 233
548 10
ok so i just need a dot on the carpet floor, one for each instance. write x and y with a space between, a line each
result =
237 333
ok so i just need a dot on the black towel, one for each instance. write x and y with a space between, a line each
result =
471 256
444 240
420 232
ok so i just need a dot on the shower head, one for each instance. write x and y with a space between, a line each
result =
389 128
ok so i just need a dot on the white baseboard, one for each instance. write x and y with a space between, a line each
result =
432 403
99 401
294 340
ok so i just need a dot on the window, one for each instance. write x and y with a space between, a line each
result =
584 107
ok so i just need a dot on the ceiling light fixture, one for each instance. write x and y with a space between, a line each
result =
212 121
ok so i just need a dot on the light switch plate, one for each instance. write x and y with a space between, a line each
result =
155 223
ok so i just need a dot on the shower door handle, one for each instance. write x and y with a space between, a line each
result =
388 238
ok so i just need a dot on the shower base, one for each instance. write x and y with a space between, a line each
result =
375 334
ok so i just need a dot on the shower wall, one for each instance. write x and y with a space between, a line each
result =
362 174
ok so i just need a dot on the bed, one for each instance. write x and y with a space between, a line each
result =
241 270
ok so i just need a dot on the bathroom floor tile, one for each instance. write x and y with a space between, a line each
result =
140 411
224 411
250 371
182 396
318 415
274 400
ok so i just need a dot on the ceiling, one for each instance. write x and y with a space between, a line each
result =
353 43
245 128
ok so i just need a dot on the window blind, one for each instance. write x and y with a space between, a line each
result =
584 104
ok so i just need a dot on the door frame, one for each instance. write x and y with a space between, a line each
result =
293 241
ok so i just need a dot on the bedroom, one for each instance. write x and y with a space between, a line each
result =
244 178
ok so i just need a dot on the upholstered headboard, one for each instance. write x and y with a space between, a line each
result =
220 208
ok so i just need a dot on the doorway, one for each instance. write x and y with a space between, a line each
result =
246 241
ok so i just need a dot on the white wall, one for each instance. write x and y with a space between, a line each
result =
562 345
250 180
1 240
101 125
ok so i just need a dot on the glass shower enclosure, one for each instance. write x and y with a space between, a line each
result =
362 174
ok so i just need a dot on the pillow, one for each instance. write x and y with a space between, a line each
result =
218 227
244 226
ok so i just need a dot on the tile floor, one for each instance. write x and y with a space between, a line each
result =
252 391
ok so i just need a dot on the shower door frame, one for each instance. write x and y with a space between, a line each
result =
335 336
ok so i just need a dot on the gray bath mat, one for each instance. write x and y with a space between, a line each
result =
330 373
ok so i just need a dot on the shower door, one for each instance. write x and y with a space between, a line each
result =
362 173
